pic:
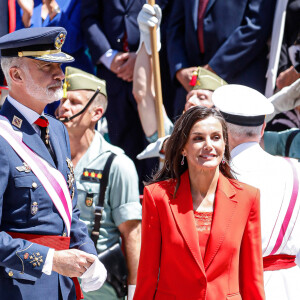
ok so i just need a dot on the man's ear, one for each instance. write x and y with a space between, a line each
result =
263 129
97 113
16 75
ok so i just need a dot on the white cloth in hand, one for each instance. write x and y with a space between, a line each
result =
94 277
286 99
148 17
131 290
153 149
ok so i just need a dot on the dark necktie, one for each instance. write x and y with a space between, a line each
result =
43 124
201 12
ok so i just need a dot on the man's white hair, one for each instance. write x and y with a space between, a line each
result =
7 63
241 132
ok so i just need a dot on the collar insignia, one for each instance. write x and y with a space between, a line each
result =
17 122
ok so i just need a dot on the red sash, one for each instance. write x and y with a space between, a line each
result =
51 241
279 262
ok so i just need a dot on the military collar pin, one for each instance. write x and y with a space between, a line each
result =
17 122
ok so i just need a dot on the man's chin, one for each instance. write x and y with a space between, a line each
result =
56 96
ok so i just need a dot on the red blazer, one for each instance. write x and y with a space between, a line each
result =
171 266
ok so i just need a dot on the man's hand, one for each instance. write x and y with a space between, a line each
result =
184 76
287 77
72 262
123 65
125 71
27 7
118 61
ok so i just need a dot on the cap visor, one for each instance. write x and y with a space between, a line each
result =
55 57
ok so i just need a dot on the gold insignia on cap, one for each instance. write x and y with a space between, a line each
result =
17 122
59 40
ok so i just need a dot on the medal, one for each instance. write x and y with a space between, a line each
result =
71 177
34 208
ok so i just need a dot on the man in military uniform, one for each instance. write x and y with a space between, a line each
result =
89 153
43 245
277 178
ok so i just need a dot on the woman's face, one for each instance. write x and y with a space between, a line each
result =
205 146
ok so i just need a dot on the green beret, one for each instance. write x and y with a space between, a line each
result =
76 79
207 80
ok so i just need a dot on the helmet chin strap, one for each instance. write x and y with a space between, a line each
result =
67 119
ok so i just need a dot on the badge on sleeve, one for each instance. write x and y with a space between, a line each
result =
89 200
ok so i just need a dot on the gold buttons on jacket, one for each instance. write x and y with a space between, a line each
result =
34 185
64 234
10 273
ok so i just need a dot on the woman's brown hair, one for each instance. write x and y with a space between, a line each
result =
172 168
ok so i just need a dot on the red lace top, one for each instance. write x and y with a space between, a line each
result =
203 222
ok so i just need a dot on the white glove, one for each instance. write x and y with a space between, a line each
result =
153 149
286 99
148 17
131 290
94 277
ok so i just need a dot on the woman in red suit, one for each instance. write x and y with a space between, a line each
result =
200 228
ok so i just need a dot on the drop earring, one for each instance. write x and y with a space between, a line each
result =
182 160
223 161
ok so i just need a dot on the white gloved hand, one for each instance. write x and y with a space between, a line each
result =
148 17
153 149
94 277
131 290
286 99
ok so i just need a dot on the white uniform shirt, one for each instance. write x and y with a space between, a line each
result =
274 177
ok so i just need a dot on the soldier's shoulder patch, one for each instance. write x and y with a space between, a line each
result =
91 175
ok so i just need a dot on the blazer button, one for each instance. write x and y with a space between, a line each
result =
10 273
64 234
34 185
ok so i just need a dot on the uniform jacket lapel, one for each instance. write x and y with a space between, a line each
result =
182 209
225 205
30 137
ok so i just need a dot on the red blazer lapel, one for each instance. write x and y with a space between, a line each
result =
225 205
182 209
